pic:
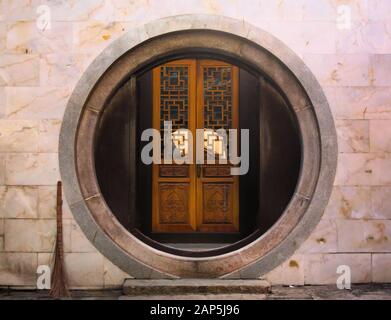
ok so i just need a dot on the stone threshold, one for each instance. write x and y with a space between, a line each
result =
137 287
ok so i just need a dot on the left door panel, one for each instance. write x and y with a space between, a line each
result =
174 99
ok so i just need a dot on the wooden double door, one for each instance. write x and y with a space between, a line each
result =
199 196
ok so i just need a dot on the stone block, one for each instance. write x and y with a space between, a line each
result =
19 70
79 242
360 102
84 270
47 200
135 12
268 10
59 10
354 169
3 36
322 268
66 238
379 10
18 269
81 10
377 35
29 235
2 168
305 37
18 136
2 102
381 202
324 10
18 10
25 37
340 70
63 68
364 235
32 169
348 202
94 36
377 103
18 202
381 165
291 272
352 40
36 102
380 66
45 258
365 36
49 132
67 234
322 239
381 271
380 135
353 135
319 11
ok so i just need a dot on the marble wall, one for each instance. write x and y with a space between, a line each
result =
39 68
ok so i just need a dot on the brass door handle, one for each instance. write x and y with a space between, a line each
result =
198 170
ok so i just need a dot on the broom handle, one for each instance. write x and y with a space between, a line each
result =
59 217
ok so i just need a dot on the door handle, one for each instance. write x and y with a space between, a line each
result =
198 170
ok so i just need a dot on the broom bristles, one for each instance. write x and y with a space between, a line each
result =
59 286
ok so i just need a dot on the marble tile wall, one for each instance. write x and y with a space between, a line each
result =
39 68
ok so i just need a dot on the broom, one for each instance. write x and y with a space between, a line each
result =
59 285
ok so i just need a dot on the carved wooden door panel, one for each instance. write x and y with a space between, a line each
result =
173 186
217 108
193 197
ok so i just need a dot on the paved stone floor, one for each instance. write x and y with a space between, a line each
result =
367 292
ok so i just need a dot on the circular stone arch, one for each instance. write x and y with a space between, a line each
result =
234 38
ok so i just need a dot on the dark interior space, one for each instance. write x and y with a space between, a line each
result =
264 192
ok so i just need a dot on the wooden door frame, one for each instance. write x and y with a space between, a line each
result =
196 120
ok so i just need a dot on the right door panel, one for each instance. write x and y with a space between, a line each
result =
217 108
